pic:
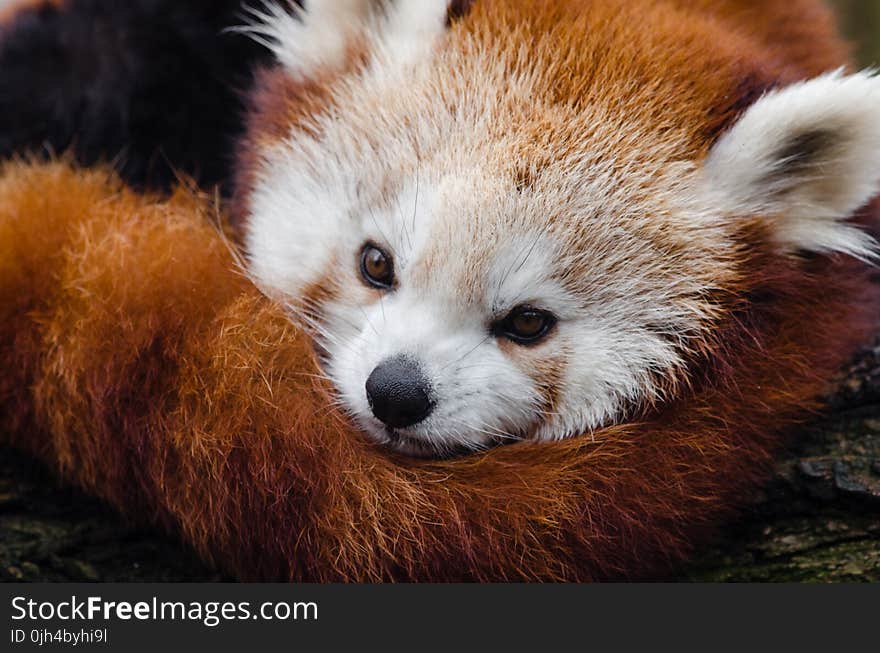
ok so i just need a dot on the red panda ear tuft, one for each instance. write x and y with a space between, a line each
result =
410 30
320 34
310 35
806 156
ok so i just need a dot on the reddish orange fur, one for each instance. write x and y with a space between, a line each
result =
149 372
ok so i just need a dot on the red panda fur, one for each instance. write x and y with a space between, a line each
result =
144 368
148 371
684 66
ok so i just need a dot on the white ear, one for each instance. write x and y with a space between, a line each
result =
806 157
317 35
413 27
304 39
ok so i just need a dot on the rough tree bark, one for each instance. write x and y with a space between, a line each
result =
817 520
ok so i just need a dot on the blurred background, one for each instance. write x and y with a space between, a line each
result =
860 20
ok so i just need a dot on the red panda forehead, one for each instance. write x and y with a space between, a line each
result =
479 239
667 64
625 266
690 66
533 84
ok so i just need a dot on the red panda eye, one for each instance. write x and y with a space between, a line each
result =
377 267
525 325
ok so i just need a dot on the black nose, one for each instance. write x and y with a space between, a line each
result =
398 392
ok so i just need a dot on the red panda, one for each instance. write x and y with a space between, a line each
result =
531 220
145 369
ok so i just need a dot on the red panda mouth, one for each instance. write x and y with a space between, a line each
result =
420 448
411 446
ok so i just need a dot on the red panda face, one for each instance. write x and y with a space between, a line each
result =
517 316
482 261
432 249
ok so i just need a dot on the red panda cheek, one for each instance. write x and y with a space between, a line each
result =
277 104
319 293
548 378
545 369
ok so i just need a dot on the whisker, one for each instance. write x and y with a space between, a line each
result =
381 232
458 360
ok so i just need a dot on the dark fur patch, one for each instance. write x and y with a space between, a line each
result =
458 9
802 150
154 85
524 177
733 105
